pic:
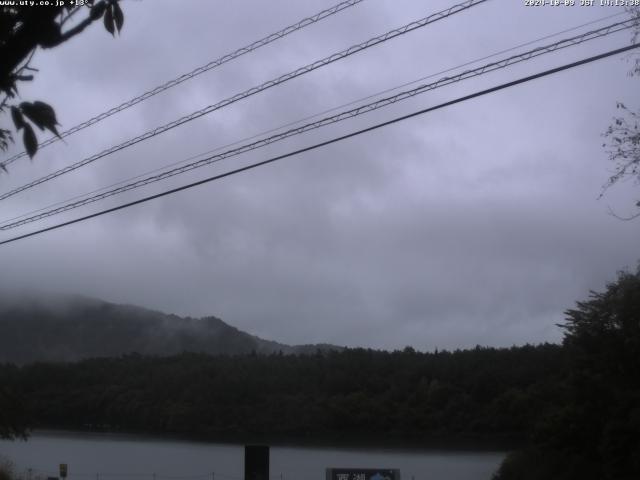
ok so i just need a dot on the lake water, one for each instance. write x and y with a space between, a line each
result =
125 457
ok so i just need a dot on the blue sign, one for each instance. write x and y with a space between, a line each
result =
363 474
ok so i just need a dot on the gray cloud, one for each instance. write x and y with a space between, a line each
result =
477 224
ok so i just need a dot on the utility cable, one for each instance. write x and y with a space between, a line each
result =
329 142
310 117
254 90
187 76
576 40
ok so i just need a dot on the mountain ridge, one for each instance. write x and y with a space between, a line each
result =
68 328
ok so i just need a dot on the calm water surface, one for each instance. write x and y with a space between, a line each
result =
124 457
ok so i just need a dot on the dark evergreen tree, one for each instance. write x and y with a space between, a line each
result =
595 432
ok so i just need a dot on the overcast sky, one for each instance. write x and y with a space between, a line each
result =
475 224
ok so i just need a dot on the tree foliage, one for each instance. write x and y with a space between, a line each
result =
623 135
14 414
595 434
23 29
473 396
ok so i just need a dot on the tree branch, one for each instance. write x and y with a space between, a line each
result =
626 219
70 15
100 6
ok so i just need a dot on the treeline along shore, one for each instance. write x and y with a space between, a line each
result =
465 397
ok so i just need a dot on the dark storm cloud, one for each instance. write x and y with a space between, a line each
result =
477 224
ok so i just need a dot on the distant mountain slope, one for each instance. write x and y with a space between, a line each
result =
72 328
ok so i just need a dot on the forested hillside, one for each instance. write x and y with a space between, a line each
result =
59 328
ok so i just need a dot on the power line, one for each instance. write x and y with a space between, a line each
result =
254 90
342 116
500 64
315 115
202 69
331 141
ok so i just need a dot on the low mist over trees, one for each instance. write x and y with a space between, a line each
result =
59 328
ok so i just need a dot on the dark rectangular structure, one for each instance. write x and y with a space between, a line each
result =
256 462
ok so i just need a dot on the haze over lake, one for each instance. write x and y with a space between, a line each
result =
119 457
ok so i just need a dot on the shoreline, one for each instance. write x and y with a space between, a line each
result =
433 444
